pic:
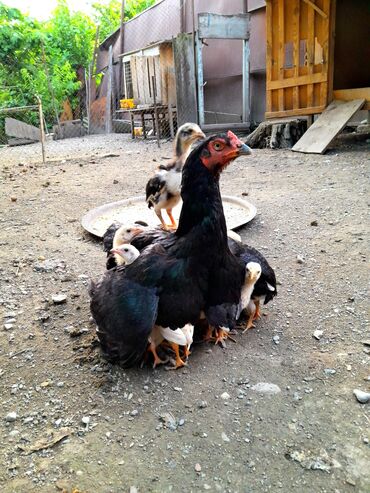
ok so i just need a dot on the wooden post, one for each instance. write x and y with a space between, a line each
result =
51 90
155 108
170 119
42 132
246 91
108 107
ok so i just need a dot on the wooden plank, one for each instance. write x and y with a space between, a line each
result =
297 81
327 126
313 110
186 102
315 7
281 53
268 54
325 45
223 26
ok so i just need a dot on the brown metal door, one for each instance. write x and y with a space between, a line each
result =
298 56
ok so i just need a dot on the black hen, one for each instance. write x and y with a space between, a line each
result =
176 278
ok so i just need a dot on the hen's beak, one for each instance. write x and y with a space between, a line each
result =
244 150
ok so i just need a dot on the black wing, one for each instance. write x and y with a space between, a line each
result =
153 189
109 235
125 313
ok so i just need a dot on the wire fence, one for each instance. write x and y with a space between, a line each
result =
146 79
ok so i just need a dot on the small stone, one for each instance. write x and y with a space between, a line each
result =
318 334
11 417
85 420
178 389
133 489
58 422
300 259
13 198
362 396
314 223
115 182
134 412
8 326
181 422
44 384
197 467
202 404
14 433
225 396
207 486
365 440
224 437
58 299
276 339
266 388
349 367
330 371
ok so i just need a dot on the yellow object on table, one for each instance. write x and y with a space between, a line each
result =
127 104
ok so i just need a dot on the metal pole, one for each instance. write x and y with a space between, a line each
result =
108 107
246 91
196 88
122 47
42 133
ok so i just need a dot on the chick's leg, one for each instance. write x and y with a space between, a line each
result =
163 224
173 222
250 323
179 362
157 359
257 313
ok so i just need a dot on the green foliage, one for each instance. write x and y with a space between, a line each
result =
41 58
108 15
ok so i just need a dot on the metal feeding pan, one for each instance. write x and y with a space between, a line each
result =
237 212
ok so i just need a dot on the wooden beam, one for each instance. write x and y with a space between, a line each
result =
297 81
301 111
268 54
349 94
315 7
281 54
296 19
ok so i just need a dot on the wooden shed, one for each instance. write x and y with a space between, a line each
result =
150 72
317 51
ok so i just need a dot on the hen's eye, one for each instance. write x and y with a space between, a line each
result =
217 146
129 231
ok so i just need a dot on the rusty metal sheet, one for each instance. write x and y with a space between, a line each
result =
237 212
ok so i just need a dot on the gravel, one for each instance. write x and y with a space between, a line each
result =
326 293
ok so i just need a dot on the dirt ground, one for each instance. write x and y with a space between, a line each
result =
69 421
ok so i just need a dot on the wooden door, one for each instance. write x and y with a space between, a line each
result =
299 56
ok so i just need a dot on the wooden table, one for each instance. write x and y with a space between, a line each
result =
165 113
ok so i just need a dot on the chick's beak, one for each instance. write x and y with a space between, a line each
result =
115 251
244 150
